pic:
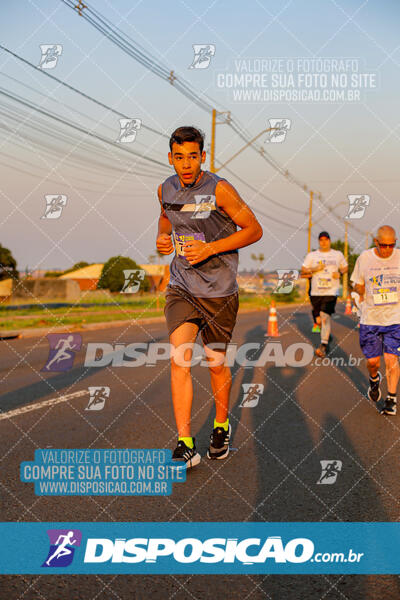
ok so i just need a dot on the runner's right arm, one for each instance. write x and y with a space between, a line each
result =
307 270
164 243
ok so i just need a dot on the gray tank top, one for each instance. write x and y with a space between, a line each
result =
194 214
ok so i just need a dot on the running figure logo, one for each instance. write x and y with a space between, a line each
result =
62 351
252 393
133 278
202 55
204 205
62 547
50 54
279 129
357 206
54 206
286 280
98 395
128 130
329 471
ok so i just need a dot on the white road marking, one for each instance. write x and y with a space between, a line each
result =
43 404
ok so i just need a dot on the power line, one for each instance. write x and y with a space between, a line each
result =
165 75
78 128
41 127
83 94
70 108
124 42
263 195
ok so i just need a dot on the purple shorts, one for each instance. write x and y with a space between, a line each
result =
375 339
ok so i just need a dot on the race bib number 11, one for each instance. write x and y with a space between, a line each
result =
385 296
324 282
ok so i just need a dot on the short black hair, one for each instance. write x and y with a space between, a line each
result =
187 134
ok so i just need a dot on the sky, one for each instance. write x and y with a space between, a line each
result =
336 148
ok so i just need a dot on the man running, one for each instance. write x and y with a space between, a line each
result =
376 278
62 347
62 550
324 267
202 211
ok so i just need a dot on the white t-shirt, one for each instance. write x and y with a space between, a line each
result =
381 277
322 283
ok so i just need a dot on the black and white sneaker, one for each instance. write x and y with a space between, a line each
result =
184 456
374 393
219 443
322 350
389 406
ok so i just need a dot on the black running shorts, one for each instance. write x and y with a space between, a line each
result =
324 304
216 317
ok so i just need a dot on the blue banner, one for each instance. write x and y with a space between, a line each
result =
173 548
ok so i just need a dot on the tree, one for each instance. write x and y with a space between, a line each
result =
352 256
112 276
8 264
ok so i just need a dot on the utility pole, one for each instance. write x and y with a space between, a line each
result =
310 221
346 255
214 123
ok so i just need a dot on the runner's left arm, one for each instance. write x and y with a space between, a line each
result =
229 201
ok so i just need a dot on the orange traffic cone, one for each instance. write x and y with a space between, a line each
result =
272 321
348 306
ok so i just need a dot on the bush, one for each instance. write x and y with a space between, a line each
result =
294 294
112 276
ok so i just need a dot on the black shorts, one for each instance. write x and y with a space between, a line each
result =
216 317
324 304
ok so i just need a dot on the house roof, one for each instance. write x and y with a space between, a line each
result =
90 272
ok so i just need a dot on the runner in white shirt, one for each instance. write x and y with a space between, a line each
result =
324 267
376 277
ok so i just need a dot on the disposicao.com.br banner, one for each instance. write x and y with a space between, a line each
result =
200 548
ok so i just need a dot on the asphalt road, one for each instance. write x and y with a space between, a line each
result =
305 414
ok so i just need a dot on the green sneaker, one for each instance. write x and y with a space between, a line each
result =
316 329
